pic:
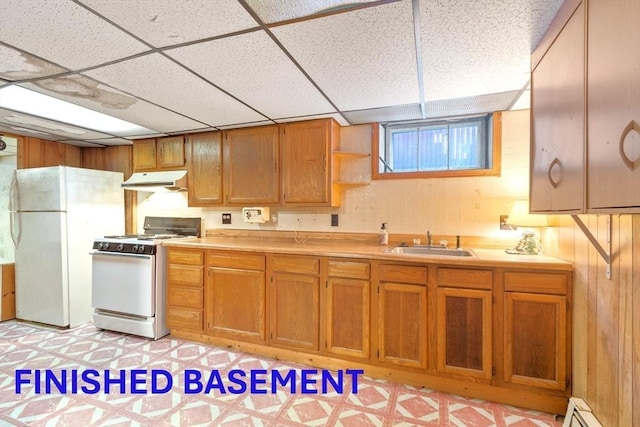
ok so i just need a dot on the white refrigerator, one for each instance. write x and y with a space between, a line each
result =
56 213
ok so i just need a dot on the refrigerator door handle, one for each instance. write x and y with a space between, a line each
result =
14 210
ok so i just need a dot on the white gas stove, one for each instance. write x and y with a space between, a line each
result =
128 277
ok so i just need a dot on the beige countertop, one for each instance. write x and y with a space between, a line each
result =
358 249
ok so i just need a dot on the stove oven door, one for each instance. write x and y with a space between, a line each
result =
123 283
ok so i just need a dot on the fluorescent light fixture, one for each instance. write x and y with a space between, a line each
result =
37 104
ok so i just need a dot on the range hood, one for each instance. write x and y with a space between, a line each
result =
157 181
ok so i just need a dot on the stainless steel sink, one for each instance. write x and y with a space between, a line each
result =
428 250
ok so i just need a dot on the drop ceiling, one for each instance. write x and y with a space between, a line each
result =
181 66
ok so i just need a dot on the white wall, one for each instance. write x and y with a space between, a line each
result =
7 167
466 206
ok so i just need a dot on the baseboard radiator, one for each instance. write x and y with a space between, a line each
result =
579 415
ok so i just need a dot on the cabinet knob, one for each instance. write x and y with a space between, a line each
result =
630 164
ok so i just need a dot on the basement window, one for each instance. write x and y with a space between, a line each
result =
468 146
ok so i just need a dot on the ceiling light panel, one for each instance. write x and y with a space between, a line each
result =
470 105
16 65
169 22
91 94
180 90
43 127
64 33
467 50
257 71
283 10
360 59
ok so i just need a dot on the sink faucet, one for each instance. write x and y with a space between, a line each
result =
429 242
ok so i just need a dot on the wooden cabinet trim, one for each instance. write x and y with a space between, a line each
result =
349 269
545 283
236 260
465 278
403 273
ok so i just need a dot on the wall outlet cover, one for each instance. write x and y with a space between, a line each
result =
226 218
334 220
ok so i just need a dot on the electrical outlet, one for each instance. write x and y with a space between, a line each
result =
334 220
226 218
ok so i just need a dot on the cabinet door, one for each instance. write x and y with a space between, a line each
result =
144 154
170 152
251 164
557 111
204 169
535 345
464 332
306 156
235 303
402 316
348 317
295 311
614 104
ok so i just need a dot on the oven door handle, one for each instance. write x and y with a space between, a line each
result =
121 254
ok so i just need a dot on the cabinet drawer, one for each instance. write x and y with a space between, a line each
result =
541 283
294 264
179 318
185 297
236 260
403 273
349 269
185 275
178 256
463 278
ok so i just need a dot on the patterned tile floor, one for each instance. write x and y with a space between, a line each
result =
377 403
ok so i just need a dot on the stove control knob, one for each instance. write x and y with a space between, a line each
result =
104 246
120 247
135 248
141 248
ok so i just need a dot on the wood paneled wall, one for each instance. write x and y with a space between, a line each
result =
606 316
35 152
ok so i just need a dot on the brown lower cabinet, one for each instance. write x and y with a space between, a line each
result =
501 334
295 302
235 296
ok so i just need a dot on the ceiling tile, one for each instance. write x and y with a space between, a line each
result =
283 10
161 81
168 22
247 125
17 65
257 71
91 94
64 33
360 59
468 49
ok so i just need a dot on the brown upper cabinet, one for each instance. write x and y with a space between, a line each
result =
159 154
204 166
586 110
613 86
557 110
251 165
307 171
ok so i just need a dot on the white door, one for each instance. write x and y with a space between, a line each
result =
123 283
42 285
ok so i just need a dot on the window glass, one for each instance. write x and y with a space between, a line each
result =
437 146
